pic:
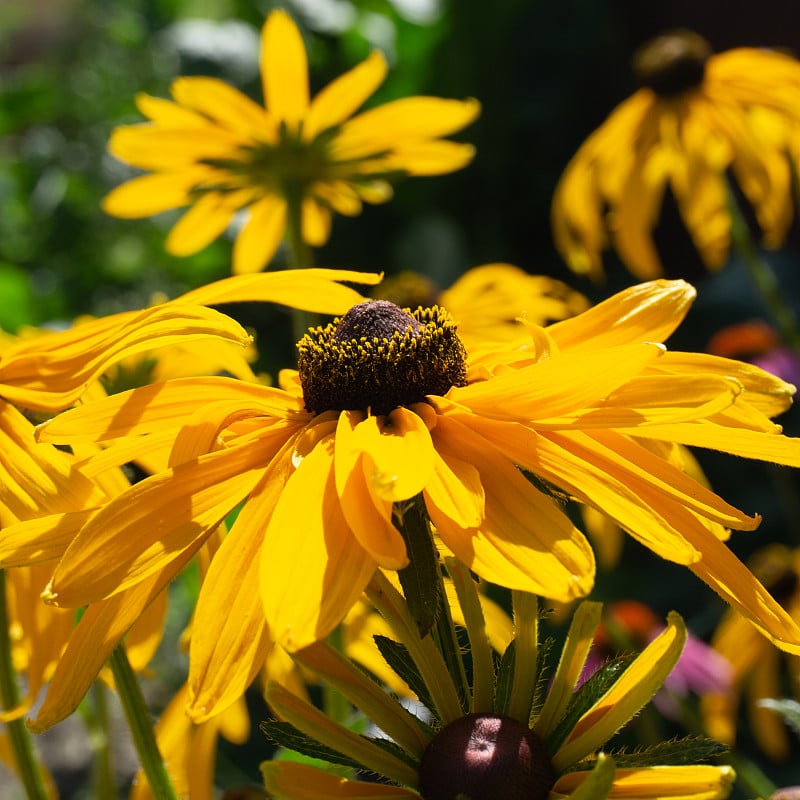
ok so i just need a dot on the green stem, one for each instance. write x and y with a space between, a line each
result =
526 637
299 255
140 725
762 275
750 777
96 718
30 771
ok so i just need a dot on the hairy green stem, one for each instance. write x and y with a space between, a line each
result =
141 727
28 767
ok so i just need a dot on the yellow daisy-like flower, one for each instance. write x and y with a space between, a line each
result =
291 163
490 303
757 666
385 411
505 735
697 118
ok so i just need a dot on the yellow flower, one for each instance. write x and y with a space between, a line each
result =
384 410
518 731
698 119
756 664
292 163
489 302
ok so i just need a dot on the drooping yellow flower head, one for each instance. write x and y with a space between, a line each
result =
291 163
698 121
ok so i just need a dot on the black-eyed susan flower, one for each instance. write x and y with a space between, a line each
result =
291 163
489 302
698 121
386 411
517 731
757 666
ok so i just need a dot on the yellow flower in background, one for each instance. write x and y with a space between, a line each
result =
488 302
543 738
699 120
757 666
291 163
384 410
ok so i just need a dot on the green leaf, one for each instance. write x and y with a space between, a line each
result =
505 679
397 657
285 735
586 696
673 753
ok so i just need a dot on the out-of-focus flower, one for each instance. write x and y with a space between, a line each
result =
490 303
631 625
698 121
291 163
757 667
527 741
759 343
384 411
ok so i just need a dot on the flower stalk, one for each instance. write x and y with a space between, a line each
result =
140 725
30 772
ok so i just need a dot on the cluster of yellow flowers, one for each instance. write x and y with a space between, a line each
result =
417 452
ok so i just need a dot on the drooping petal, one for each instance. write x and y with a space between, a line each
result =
232 644
368 514
525 541
284 69
312 568
153 524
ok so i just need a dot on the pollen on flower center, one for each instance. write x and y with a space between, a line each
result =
483 757
379 356
672 63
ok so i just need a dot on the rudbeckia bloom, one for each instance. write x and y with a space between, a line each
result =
385 411
506 736
757 666
698 119
291 163
490 303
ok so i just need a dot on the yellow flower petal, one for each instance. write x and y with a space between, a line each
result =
409 118
313 289
635 687
429 157
344 95
646 312
152 194
154 524
312 568
367 513
231 645
550 558
316 222
203 222
225 106
286 780
284 69
261 235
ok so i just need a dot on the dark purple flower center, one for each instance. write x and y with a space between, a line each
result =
672 63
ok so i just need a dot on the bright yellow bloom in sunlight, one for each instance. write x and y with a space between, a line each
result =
547 738
698 121
489 302
757 666
384 410
291 163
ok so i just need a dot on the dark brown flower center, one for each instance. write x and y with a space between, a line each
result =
485 757
672 63
379 357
